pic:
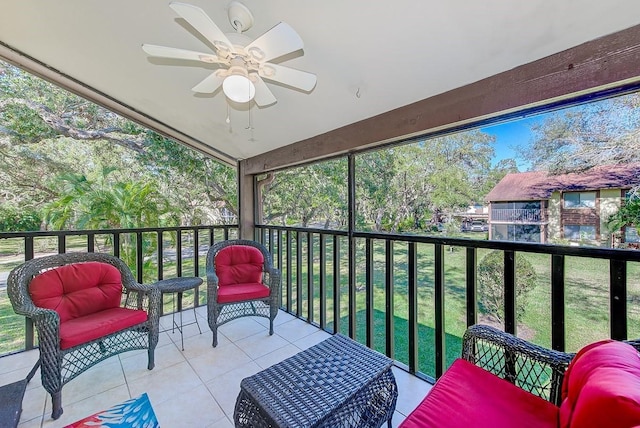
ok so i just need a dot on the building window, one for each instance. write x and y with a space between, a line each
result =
580 200
631 234
574 232
516 232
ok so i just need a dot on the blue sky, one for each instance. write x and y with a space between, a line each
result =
510 135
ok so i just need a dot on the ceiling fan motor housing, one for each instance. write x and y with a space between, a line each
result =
240 16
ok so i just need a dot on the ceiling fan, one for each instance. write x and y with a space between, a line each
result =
244 63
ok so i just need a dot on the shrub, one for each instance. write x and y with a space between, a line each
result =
19 220
491 283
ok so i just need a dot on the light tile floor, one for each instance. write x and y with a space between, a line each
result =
196 387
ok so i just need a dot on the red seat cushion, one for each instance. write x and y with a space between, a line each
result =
239 264
601 387
468 396
78 289
90 327
241 292
239 270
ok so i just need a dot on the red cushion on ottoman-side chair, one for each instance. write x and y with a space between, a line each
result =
76 303
241 281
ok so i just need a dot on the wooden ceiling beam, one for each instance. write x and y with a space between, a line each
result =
607 62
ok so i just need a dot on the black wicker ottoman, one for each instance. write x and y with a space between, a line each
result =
336 383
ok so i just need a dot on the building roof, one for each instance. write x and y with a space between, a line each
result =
539 185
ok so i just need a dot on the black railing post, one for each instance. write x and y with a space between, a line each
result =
91 242
618 299
179 253
196 256
28 248
299 274
289 264
279 258
438 295
472 286
351 197
510 317
323 281
196 265
139 257
557 303
510 292
369 293
62 244
28 325
412 285
336 284
389 294
160 256
116 244
310 296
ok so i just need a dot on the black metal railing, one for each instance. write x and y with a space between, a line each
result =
151 253
372 287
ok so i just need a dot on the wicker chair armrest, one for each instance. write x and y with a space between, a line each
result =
635 343
212 277
37 314
272 280
212 284
531 367
142 296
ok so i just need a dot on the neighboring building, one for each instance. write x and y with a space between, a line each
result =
541 207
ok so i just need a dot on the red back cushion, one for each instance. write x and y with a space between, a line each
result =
602 387
239 264
78 289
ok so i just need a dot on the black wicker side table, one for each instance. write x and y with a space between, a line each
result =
179 286
336 383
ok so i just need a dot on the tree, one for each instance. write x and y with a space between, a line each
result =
491 283
311 193
200 188
47 133
628 215
579 138
105 203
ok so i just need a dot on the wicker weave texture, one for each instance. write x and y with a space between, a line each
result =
337 383
531 367
60 366
220 313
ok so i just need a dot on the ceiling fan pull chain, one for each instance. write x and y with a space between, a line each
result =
249 127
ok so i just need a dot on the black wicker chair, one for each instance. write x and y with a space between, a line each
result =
249 302
62 361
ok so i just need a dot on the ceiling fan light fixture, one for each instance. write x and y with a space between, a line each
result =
237 86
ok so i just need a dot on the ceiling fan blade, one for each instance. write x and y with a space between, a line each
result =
177 53
264 97
278 41
210 83
289 76
199 20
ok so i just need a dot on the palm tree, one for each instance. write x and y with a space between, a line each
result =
102 204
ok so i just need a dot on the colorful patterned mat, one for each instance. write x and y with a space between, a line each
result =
133 413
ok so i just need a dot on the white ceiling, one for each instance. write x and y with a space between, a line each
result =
370 56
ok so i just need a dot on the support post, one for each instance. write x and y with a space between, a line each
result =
246 203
